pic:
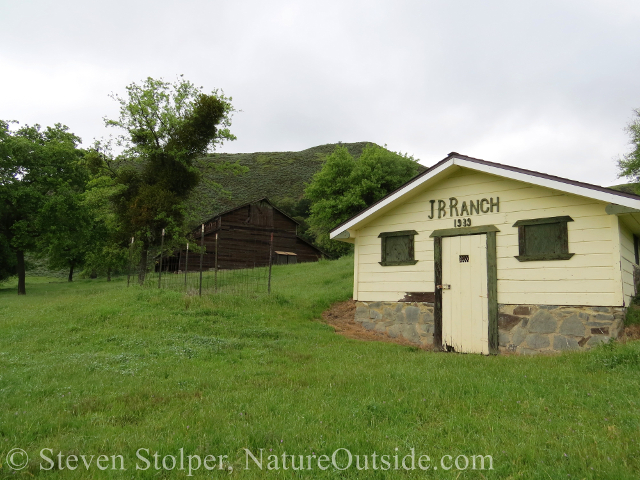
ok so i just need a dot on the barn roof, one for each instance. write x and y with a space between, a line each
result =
263 199
454 159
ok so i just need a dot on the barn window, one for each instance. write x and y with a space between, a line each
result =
543 239
285 258
397 248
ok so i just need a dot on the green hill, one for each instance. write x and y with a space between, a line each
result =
280 176
626 188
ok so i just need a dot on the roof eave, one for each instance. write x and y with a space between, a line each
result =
454 159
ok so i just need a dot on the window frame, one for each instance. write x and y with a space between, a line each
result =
564 239
383 245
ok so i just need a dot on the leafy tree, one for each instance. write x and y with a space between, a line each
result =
167 128
67 231
35 166
7 260
630 164
344 186
109 250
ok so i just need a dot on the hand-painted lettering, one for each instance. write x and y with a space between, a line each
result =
432 212
464 208
453 203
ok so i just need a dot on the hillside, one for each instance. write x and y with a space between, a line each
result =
280 176
626 188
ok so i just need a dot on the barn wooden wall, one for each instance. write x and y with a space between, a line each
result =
244 236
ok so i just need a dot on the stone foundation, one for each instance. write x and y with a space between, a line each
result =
411 321
525 329
531 329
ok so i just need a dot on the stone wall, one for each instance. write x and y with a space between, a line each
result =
547 328
411 321
525 329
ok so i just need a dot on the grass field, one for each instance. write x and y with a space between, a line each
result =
94 368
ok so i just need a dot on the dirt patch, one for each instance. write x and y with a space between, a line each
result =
632 332
341 316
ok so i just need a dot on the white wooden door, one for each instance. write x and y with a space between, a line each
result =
465 306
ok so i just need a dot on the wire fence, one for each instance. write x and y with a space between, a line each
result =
238 282
151 269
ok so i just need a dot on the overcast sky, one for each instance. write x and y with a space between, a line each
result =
544 85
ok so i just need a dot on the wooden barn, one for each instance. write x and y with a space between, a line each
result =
476 256
244 236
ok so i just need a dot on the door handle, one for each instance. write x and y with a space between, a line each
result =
444 287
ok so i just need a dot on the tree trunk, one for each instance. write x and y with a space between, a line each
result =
94 274
22 290
108 274
142 267
71 273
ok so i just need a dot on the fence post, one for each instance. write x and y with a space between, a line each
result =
201 256
160 269
129 269
215 276
186 266
270 262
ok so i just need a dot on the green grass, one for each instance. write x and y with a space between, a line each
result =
633 312
95 368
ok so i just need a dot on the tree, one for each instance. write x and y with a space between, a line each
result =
629 165
35 166
166 127
109 247
7 260
68 232
344 186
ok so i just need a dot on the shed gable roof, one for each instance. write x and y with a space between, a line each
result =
442 168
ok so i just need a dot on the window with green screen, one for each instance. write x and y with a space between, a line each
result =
543 239
397 248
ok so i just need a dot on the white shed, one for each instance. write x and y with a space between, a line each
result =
475 256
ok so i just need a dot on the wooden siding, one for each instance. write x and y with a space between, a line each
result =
244 236
588 278
627 258
306 252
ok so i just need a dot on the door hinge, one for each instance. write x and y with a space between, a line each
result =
444 287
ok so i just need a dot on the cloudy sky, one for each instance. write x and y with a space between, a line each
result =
547 85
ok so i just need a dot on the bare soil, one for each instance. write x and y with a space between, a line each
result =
341 316
632 332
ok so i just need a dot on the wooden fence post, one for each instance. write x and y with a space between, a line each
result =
215 277
201 257
186 266
270 262
160 269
